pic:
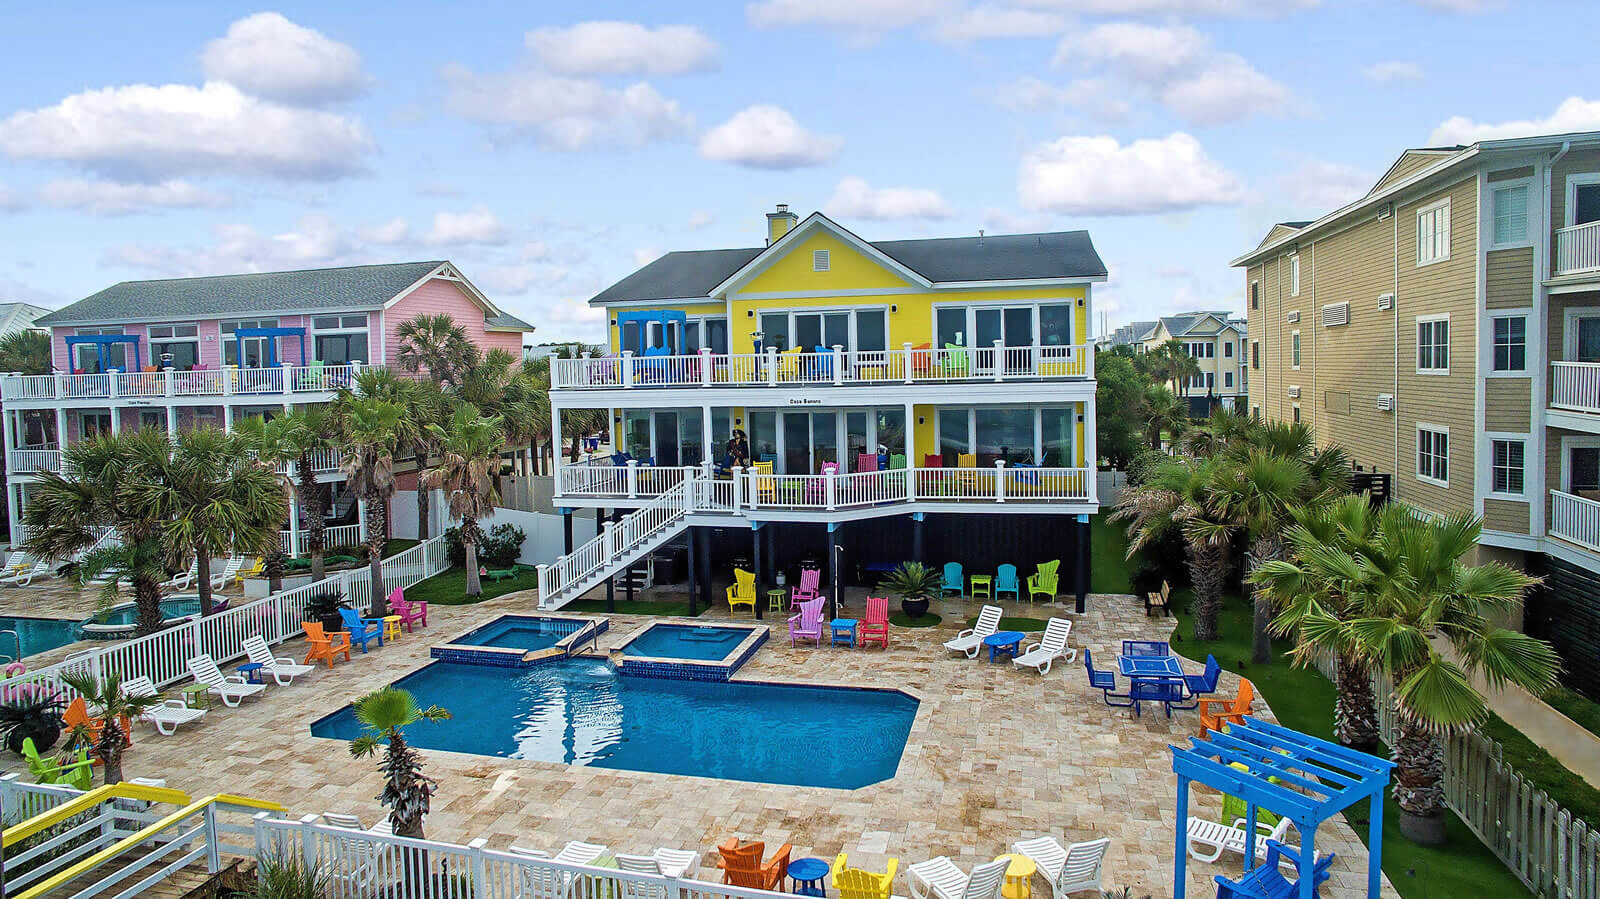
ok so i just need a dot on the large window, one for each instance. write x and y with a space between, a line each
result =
1507 466
1294 275
1433 345
1201 350
1019 436
1510 215
853 329
706 333
1433 233
175 346
1057 428
1004 434
1049 324
1511 343
955 435
256 353
1433 454
340 338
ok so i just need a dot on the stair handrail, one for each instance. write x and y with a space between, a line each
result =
617 538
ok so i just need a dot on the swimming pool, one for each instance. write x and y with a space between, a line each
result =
581 712
121 620
38 634
686 641
517 632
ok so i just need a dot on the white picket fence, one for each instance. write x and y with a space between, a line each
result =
163 656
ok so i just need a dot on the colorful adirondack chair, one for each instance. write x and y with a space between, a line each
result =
1005 581
411 613
816 489
857 883
897 460
743 591
875 626
742 866
766 484
809 587
1214 713
77 717
866 461
952 580
79 773
1043 582
324 646
362 630
932 460
806 624
955 363
1267 881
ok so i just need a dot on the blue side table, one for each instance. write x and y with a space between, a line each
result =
251 672
1007 642
807 874
842 630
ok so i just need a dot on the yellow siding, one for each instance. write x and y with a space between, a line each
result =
694 309
848 269
923 432
1505 515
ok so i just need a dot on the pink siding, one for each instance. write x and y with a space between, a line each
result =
211 342
439 295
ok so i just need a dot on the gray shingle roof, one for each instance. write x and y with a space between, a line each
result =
506 321
351 287
1002 257
1180 325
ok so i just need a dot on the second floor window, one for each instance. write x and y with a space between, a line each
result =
86 356
175 345
1255 294
1294 349
1227 350
1433 455
1507 464
1510 215
1433 233
1433 345
1255 354
1510 343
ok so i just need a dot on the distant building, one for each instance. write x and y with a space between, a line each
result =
20 317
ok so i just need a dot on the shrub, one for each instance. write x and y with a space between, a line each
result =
1144 464
324 605
288 877
498 547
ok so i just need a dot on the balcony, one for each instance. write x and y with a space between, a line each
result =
1578 249
229 381
1575 386
33 461
838 367
1575 520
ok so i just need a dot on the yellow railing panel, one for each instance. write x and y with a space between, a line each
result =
89 800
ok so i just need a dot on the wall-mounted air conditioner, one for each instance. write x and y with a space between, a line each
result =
1294 317
1386 301
1294 392
1335 314
1385 402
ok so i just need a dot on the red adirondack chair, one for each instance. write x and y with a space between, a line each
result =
875 626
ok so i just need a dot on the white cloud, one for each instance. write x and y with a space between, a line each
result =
860 16
143 132
1186 8
1574 114
475 226
700 220
271 57
1176 66
988 21
1098 176
1392 72
565 113
623 48
315 241
112 198
1460 6
855 198
390 233
1317 188
767 137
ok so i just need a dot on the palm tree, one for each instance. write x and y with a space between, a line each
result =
1163 412
1182 493
469 458
369 430
1170 363
407 792
425 404
435 343
295 437
106 698
27 352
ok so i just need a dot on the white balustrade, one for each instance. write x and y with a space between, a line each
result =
226 381
29 461
1575 386
1575 519
1578 248
338 535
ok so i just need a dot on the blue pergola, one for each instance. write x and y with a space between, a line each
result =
1290 774
240 334
100 342
642 319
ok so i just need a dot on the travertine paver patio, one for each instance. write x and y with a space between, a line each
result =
994 755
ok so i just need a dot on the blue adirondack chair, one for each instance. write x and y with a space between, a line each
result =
952 580
1005 581
362 630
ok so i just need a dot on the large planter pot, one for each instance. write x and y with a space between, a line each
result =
1424 830
44 736
914 608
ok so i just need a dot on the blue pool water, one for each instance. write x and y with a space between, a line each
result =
579 711
513 632
686 641
38 634
129 614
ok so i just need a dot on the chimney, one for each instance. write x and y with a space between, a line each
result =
780 223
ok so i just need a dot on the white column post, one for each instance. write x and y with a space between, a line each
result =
912 460
627 368
555 441
61 384
230 373
113 378
910 354
227 417
772 367
172 420
830 487
705 428
116 420
738 485
705 367
61 428
14 509
294 524
1091 452
838 364
166 381
999 360
633 478
999 480
361 520
7 416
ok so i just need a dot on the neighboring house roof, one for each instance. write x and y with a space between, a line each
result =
309 290
1195 324
505 322
1003 257
20 317
1295 225
1133 332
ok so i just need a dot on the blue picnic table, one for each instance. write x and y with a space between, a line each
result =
1153 679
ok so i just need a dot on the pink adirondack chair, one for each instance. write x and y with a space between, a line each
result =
875 626
866 461
810 579
411 613
807 625
816 490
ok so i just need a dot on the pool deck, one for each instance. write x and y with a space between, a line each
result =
995 755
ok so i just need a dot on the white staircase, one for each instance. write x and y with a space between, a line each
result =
621 544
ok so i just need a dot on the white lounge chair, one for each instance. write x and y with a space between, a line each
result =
18 561
25 577
939 877
283 670
970 641
357 865
229 571
169 714
1209 839
351 822
184 580
1069 869
665 862
1052 646
233 688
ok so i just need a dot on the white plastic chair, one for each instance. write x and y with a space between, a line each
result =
25 577
1207 840
939 877
1069 869
220 581
970 641
665 862
283 670
233 688
167 716
1052 646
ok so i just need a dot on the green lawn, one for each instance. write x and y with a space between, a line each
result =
397 545
1580 708
1531 761
449 588
1303 699
1108 545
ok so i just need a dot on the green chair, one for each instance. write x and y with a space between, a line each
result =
897 460
311 378
955 363
78 774
1043 582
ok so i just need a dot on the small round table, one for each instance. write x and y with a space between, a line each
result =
391 627
807 874
777 599
1017 875
197 696
1007 642
251 671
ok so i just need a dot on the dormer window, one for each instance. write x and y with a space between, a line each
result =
819 260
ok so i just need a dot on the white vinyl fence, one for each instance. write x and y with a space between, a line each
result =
163 656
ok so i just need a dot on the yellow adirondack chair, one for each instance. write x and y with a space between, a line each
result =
1043 582
855 883
743 591
766 485
789 365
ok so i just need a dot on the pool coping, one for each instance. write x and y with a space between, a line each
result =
590 628
671 668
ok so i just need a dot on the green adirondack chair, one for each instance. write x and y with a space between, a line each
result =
955 364
1043 582
79 774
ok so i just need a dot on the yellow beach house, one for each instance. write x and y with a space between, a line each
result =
906 399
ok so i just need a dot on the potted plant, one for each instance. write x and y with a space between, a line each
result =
916 584
35 714
324 608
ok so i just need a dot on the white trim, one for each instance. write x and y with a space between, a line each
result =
1491 188
1488 466
1574 179
1416 453
1449 332
1569 443
1021 282
1524 313
1294 275
780 247
1445 222
1569 331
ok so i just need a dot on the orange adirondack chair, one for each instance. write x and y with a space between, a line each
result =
325 646
1216 712
875 626
741 864
77 715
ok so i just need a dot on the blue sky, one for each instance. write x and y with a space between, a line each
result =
550 153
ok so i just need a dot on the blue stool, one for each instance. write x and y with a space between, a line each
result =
807 874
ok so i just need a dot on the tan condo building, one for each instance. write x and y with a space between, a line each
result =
1445 329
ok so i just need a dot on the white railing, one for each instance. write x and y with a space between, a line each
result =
622 481
162 656
1575 386
1575 519
838 366
338 535
323 461
227 381
1578 248
367 863
28 461
618 545
1022 484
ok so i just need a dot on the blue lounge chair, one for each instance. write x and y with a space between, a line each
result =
1005 581
953 580
362 630
1145 648
1104 681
